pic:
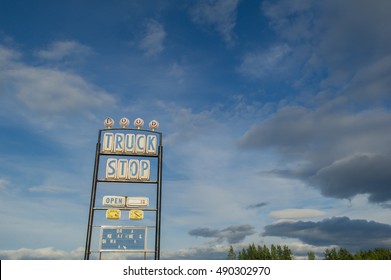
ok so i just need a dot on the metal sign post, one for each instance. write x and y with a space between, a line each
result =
130 154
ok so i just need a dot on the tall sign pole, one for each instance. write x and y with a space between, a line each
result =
158 206
129 155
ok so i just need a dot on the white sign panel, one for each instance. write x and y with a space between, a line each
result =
129 143
132 170
122 238
115 201
137 201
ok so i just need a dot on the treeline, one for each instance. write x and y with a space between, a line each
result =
344 254
278 252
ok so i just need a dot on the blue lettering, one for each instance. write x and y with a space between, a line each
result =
122 169
129 143
144 166
144 170
119 142
140 139
133 169
151 144
123 143
111 167
108 142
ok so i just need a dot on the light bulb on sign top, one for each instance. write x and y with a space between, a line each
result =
138 123
108 122
124 122
154 124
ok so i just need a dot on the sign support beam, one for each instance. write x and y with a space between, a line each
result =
158 204
92 202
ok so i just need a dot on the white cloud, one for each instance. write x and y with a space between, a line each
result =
177 72
259 64
52 91
296 213
63 49
51 189
7 56
152 41
300 250
203 252
45 94
47 253
220 14
290 19
3 184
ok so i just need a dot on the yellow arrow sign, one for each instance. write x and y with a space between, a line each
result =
113 214
136 214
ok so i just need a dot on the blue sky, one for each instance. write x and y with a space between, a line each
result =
275 115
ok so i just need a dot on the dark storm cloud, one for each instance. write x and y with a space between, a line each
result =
340 153
297 130
340 231
258 205
360 173
235 234
204 232
231 234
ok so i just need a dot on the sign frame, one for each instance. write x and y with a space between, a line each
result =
100 152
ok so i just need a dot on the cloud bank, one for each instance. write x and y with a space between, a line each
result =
231 234
337 231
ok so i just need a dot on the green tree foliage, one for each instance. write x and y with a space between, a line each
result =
330 254
376 254
276 252
311 255
344 254
231 254
334 254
